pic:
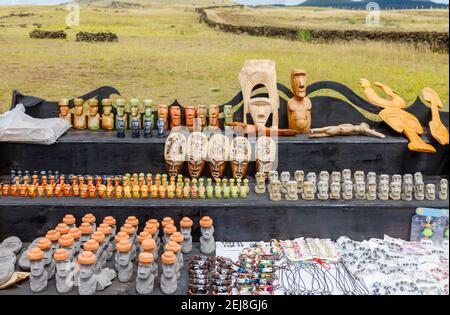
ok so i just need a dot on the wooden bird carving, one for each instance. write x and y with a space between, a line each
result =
394 115
437 128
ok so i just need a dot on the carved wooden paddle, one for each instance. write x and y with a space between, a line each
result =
437 128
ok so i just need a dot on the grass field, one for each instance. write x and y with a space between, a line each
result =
324 18
164 53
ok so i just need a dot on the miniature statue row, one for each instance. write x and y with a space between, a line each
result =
341 185
91 247
128 186
197 149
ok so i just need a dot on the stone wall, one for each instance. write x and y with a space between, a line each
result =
436 41
47 34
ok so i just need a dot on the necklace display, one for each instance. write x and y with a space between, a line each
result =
135 186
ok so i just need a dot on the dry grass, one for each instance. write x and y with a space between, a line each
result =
324 18
164 53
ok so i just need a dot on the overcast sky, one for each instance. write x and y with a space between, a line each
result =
287 2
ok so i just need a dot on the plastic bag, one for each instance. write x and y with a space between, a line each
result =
16 126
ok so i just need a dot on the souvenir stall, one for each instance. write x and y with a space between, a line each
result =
277 191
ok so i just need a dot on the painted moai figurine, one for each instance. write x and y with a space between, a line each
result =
185 228
64 271
135 118
93 121
149 246
145 280
108 243
130 230
123 260
64 110
90 218
70 221
168 231
87 279
228 114
53 236
112 223
162 123
76 235
38 274
299 106
148 119
79 117
189 113
121 118
169 284
207 243
107 115
179 239
45 245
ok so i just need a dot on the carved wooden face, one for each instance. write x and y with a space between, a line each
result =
175 153
265 154
93 110
218 148
197 152
240 152
298 81
5 190
260 110
260 179
175 116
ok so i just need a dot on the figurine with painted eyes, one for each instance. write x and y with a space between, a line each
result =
197 147
107 115
93 117
299 106
175 117
121 118
148 119
64 110
79 118
162 122
189 113
240 153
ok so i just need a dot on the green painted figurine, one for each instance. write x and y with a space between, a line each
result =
209 189
228 114
121 118
135 118
149 118
218 189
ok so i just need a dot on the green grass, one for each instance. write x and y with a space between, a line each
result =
324 18
163 53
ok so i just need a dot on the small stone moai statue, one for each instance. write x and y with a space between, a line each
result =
130 230
308 191
185 228
169 284
174 247
312 178
275 190
64 271
371 177
285 178
53 236
123 260
207 242
260 187
93 121
144 235
395 190
324 176
145 280
359 177
148 119
419 190
443 189
347 190
397 178
107 115
86 232
291 190
102 255
87 279
336 177
121 118
79 118
346 175
335 189
38 274
64 110
272 176
76 235
322 188
108 243
179 239
45 246
407 187
383 189
169 229
112 223
156 234
66 241
299 176
430 192
360 190
149 246
371 190
418 177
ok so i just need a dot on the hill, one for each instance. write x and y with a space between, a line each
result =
384 4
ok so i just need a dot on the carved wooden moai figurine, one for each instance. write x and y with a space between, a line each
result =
257 72
107 115
79 118
64 110
189 113
218 152
175 117
93 117
197 152
175 153
299 106
213 117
